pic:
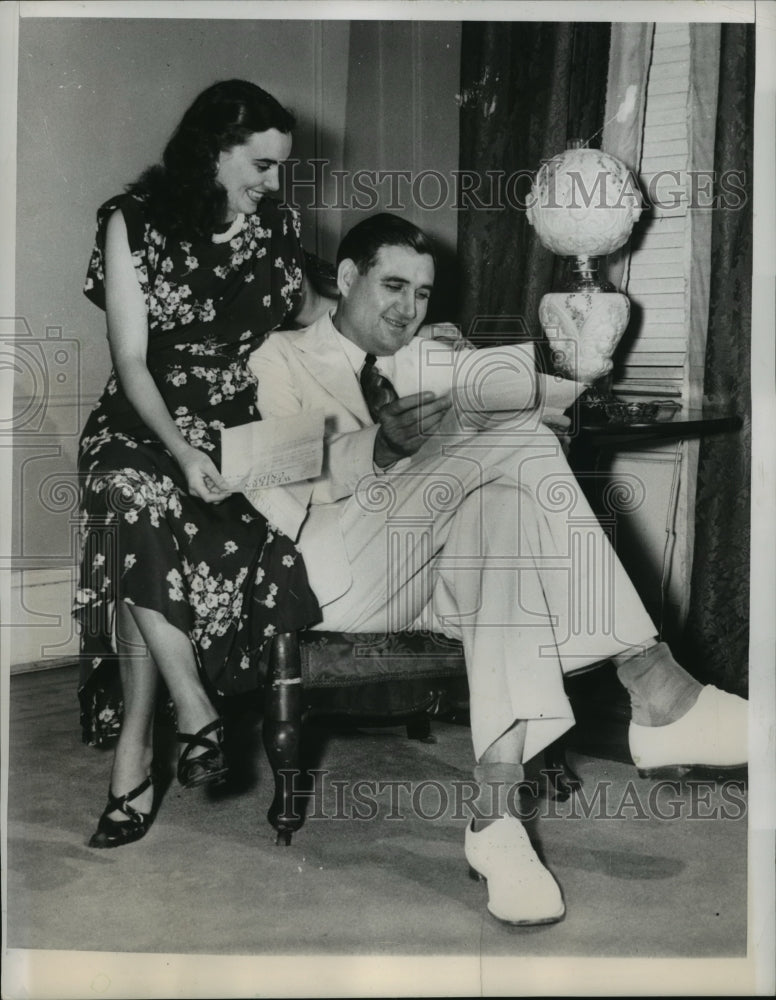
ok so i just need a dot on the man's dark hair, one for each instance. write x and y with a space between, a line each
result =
362 243
182 195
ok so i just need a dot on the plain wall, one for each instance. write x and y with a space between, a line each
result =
403 115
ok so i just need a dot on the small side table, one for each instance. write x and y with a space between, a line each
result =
592 435
600 703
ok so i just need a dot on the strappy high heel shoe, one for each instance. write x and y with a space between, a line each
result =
117 832
207 767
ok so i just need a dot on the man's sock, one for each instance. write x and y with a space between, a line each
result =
660 690
497 793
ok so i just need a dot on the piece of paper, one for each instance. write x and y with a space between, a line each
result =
273 452
489 379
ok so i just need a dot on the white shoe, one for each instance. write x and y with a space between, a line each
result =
520 889
713 733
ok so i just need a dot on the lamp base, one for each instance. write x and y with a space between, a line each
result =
583 329
598 403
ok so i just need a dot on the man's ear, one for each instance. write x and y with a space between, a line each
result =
346 275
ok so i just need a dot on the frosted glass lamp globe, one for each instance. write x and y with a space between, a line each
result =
584 202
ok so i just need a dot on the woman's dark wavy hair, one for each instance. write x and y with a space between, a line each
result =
182 195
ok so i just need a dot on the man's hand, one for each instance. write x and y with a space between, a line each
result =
559 423
445 333
406 423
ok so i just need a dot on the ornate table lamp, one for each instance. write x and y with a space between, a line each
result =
584 205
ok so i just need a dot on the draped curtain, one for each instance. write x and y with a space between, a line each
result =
717 628
526 89
626 103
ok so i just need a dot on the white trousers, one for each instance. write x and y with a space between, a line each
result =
488 538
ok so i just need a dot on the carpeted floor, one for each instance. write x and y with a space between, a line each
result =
209 879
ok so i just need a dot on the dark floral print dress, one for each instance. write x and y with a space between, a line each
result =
218 572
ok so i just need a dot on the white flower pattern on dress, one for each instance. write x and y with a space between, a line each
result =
176 585
223 581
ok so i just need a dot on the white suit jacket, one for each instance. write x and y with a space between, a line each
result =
303 370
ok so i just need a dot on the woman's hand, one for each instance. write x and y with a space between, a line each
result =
202 477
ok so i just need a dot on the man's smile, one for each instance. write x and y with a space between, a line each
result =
397 324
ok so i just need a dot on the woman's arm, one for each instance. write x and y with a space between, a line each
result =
128 338
313 304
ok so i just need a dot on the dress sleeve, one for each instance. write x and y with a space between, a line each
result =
131 209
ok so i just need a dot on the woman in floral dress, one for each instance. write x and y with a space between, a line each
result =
180 577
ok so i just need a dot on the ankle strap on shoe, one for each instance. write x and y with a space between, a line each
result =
121 802
200 738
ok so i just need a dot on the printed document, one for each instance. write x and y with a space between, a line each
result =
272 452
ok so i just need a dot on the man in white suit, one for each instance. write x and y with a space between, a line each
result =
453 508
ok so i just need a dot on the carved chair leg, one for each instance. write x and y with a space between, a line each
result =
281 733
420 729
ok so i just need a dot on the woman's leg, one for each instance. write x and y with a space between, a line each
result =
139 682
199 728
148 646
174 655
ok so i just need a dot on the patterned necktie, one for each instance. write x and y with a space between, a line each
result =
377 389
